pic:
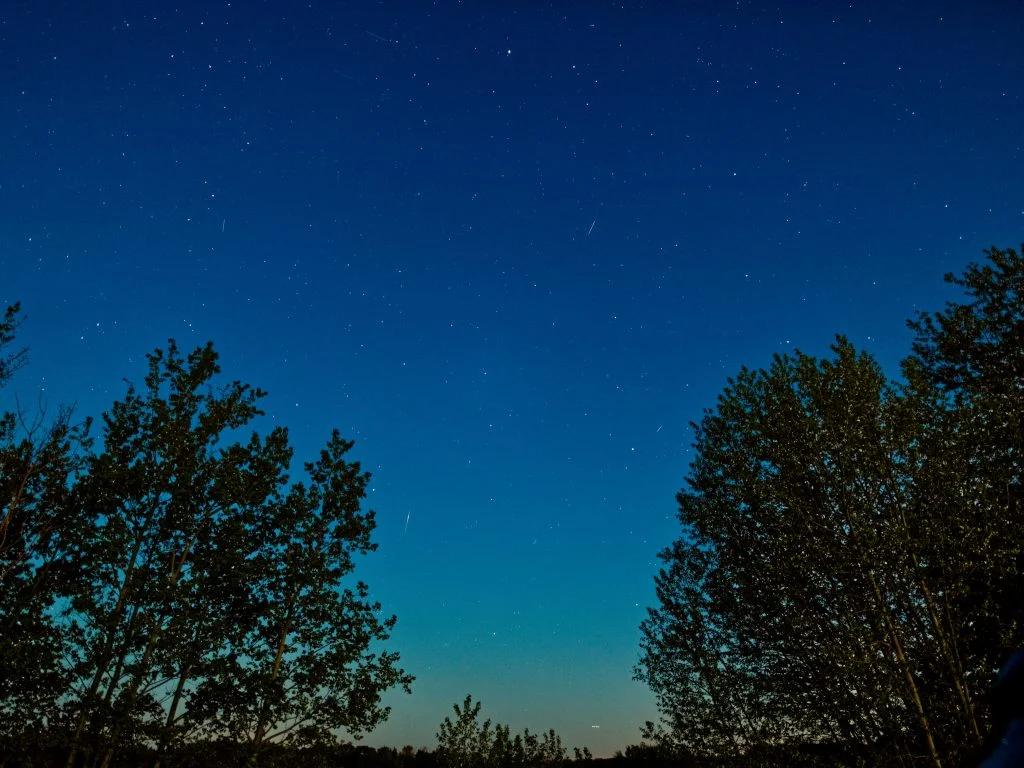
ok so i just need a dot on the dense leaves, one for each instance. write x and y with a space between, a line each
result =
848 570
177 585
39 458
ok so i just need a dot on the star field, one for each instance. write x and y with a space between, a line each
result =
511 250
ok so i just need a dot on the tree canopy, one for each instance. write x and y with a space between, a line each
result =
848 570
177 583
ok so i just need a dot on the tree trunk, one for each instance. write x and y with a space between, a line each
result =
262 724
908 675
104 657
155 634
165 735
133 695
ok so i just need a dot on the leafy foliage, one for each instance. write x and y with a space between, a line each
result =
177 584
39 459
846 572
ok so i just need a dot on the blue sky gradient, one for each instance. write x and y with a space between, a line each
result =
511 250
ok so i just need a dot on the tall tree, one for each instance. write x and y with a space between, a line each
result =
39 458
968 366
789 607
159 484
848 568
201 551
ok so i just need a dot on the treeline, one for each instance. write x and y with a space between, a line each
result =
468 742
849 570
227 754
170 586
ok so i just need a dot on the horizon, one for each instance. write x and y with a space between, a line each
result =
512 254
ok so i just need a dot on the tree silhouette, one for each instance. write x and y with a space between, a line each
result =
843 574
178 584
39 531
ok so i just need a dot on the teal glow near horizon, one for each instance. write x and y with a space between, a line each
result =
511 252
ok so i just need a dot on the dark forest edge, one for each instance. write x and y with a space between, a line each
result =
228 754
846 583
850 568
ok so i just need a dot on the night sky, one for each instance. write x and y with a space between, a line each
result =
512 250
